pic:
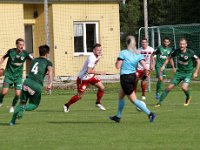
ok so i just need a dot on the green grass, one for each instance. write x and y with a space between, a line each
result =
87 128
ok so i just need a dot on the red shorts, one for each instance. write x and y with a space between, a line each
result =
83 84
141 74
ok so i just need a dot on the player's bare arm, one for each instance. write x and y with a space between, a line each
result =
152 61
172 64
92 71
2 61
196 71
142 62
50 75
118 64
166 62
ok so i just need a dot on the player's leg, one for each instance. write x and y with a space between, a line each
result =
6 84
18 87
81 87
159 83
132 97
175 81
3 93
18 113
121 104
15 100
185 85
100 94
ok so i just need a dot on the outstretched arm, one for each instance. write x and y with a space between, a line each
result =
165 63
152 61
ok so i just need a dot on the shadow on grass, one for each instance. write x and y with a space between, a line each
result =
78 122
4 124
49 111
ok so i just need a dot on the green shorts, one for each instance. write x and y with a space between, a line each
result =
9 81
159 73
180 76
31 91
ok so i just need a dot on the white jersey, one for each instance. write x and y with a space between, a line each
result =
147 54
91 62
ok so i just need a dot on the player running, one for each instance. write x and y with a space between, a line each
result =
146 51
88 76
32 87
127 62
14 70
185 71
162 53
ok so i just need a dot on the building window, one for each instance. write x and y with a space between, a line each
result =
85 36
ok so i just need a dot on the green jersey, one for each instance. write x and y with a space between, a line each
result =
38 69
162 54
16 59
185 60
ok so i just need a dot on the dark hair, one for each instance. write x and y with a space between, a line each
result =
43 50
144 39
166 38
19 40
183 39
96 45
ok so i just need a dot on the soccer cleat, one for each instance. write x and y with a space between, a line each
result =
143 98
11 110
187 101
152 116
66 108
11 123
157 96
115 118
1 104
101 107
158 105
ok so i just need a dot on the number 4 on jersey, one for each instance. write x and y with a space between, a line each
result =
35 68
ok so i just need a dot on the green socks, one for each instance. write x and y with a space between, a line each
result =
163 96
187 94
1 98
158 86
19 110
30 107
15 100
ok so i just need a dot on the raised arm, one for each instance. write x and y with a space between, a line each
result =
92 71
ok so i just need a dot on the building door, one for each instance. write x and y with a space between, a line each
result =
28 44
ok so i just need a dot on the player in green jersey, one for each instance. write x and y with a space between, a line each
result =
32 86
185 71
162 53
14 70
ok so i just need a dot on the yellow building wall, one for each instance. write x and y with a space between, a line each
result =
11 26
39 35
107 14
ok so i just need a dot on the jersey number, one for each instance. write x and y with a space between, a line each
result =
35 68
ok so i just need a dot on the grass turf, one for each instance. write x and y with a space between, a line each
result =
86 127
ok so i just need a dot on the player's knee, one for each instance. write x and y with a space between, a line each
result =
184 88
4 92
102 88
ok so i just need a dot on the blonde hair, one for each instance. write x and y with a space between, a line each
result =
131 43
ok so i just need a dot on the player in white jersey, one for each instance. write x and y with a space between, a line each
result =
146 51
88 76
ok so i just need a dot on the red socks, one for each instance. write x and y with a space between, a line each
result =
143 86
74 99
99 96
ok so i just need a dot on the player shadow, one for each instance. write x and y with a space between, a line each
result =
49 111
78 122
4 124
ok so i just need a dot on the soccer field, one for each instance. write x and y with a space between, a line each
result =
85 127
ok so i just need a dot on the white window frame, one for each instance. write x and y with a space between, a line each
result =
84 37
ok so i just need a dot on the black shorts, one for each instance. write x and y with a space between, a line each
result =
128 83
